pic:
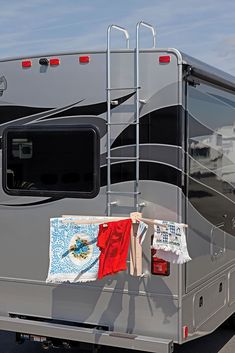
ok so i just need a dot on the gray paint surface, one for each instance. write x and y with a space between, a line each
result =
123 303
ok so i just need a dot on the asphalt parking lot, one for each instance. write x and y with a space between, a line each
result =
221 341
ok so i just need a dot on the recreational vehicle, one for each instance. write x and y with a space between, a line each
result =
108 133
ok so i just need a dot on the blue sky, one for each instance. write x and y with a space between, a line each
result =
202 28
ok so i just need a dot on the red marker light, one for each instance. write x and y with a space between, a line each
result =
164 59
54 62
26 63
84 59
185 332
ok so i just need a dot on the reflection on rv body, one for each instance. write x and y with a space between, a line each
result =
213 155
206 156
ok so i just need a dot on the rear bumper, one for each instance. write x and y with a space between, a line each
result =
93 336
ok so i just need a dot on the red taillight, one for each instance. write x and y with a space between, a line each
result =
158 266
85 59
54 62
185 332
26 63
164 59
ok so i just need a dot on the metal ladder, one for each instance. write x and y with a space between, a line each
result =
136 88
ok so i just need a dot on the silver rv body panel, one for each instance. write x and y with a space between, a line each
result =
154 307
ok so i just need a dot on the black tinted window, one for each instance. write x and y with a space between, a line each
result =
48 160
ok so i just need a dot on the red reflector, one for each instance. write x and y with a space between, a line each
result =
164 59
158 266
185 331
84 59
54 62
26 63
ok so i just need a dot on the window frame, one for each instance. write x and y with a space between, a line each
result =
53 193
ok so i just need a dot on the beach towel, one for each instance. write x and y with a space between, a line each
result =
136 251
170 242
113 241
74 254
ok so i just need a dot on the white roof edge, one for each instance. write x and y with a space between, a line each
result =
181 57
89 52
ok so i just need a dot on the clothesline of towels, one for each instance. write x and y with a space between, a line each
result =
87 248
134 216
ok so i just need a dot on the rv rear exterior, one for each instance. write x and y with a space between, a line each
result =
156 135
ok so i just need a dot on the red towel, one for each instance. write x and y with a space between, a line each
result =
113 241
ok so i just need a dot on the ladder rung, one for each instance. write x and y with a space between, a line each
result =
123 192
123 158
122 88
122 123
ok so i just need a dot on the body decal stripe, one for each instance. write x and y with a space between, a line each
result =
36 203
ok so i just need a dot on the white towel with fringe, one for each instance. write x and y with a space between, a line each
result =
170 242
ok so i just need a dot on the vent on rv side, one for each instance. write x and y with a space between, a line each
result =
51 161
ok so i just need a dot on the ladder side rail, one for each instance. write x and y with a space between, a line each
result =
121 29
138 26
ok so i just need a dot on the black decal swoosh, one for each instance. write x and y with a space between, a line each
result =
42 202
122 172
20 114
35 117
162 126
13 112
91 109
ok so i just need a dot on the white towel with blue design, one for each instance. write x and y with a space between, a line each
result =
74 256
170 242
